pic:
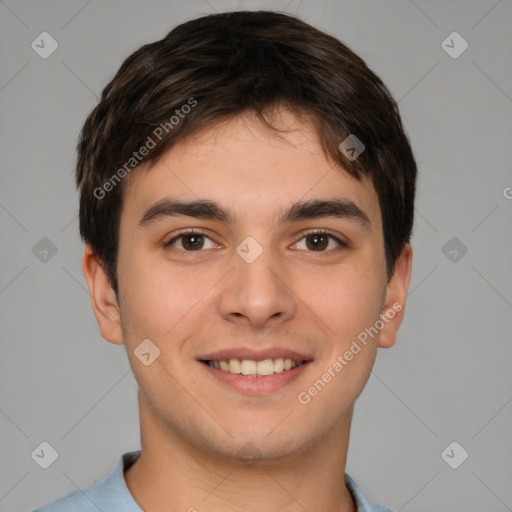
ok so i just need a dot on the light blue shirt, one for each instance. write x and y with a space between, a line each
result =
112 495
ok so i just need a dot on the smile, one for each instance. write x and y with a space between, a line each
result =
253 368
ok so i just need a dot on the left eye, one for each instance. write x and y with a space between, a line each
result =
319 241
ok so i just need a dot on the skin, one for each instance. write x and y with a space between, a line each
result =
194 427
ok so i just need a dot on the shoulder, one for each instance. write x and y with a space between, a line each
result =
77 501
363 504
109 494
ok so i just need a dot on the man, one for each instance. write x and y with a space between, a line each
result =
246 199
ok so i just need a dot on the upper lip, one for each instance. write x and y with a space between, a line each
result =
256 355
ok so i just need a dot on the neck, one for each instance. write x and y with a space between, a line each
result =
173 474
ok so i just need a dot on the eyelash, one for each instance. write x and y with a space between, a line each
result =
201 233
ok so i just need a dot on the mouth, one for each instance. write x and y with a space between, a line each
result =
253 367
253 372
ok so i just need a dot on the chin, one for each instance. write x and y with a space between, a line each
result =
250 448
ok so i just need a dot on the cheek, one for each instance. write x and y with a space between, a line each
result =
149 301
160 302
349 303
157 306
347 299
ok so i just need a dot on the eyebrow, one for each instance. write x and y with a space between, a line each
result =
341 208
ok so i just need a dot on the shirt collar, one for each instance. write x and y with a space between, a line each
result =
117 484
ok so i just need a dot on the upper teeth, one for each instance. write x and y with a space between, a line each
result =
255 368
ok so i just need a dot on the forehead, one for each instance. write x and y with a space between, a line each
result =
249 168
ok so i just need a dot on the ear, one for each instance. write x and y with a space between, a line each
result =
103 298
396 294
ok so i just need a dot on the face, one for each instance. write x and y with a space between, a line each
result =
244 252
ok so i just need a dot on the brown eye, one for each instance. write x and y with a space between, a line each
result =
320 241
191 242
317 242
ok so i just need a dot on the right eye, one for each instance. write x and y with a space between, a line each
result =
191 241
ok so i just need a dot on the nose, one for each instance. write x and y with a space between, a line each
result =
257 294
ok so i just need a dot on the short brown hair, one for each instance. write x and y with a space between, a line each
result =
225 64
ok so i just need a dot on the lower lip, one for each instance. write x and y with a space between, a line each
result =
256 385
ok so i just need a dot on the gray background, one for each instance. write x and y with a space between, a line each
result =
447 379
